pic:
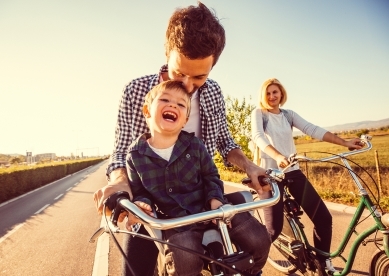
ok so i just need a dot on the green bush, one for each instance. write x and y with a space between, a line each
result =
17 181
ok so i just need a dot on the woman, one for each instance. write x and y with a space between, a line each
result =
272 134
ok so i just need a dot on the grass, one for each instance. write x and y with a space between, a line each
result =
333 182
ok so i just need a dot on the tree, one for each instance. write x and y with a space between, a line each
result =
362 132
15 160
238 115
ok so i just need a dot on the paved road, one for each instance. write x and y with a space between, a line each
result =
47 232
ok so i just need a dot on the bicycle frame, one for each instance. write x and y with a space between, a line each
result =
364 203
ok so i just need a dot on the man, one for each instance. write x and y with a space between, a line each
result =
194 41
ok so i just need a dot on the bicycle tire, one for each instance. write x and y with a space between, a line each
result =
278 258
379 265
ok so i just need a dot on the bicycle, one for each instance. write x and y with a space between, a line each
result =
221 256
291 251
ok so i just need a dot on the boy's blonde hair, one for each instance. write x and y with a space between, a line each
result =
167 85
263 103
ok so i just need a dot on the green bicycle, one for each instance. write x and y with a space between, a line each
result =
291 251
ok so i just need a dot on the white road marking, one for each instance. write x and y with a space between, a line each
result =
58 196
100 265
33 191
68 189
41 209
3 238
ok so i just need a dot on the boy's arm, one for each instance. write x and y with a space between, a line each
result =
138 190
214 187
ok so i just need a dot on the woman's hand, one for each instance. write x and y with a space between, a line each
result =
282 161
353 144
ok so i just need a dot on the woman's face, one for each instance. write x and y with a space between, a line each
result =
273 95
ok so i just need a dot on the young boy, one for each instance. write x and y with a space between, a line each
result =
172 169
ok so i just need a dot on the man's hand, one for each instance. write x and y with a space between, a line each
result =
118 182
253 172
237 157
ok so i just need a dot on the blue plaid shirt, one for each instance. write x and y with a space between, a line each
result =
179 187
131 123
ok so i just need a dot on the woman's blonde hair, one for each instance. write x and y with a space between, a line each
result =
263 103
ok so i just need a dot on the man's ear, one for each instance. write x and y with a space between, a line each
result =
145 110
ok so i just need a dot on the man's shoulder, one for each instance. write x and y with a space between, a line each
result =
145 78
143 83
212 85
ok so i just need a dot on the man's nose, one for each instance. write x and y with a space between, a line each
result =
188 84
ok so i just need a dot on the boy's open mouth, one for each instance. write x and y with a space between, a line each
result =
170 116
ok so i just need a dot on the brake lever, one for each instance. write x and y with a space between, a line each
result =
98 233
274 174
263 180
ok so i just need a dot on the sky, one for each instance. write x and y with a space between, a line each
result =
64 64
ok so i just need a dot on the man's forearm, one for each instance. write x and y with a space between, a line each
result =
118 173
237 158
119 176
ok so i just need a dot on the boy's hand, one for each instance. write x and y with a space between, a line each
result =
145 208
132 219
214 203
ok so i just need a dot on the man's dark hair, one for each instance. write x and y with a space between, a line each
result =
196 33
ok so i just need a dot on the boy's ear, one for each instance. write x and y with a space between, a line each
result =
187 119
145 110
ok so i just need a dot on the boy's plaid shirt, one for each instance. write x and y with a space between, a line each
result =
179 187
131 123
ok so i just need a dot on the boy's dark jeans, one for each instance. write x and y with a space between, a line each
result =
251 236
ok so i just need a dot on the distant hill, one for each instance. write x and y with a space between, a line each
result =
353 126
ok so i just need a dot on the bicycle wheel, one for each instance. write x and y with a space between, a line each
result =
379 265
280 254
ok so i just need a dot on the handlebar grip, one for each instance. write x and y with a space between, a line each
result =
263 181
362 144
112 201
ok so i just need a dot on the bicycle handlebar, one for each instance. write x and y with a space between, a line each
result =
224 212
294 158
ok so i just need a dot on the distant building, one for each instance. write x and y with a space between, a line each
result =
45 156
4 164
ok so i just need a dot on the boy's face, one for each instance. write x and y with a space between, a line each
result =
168 111
191 72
